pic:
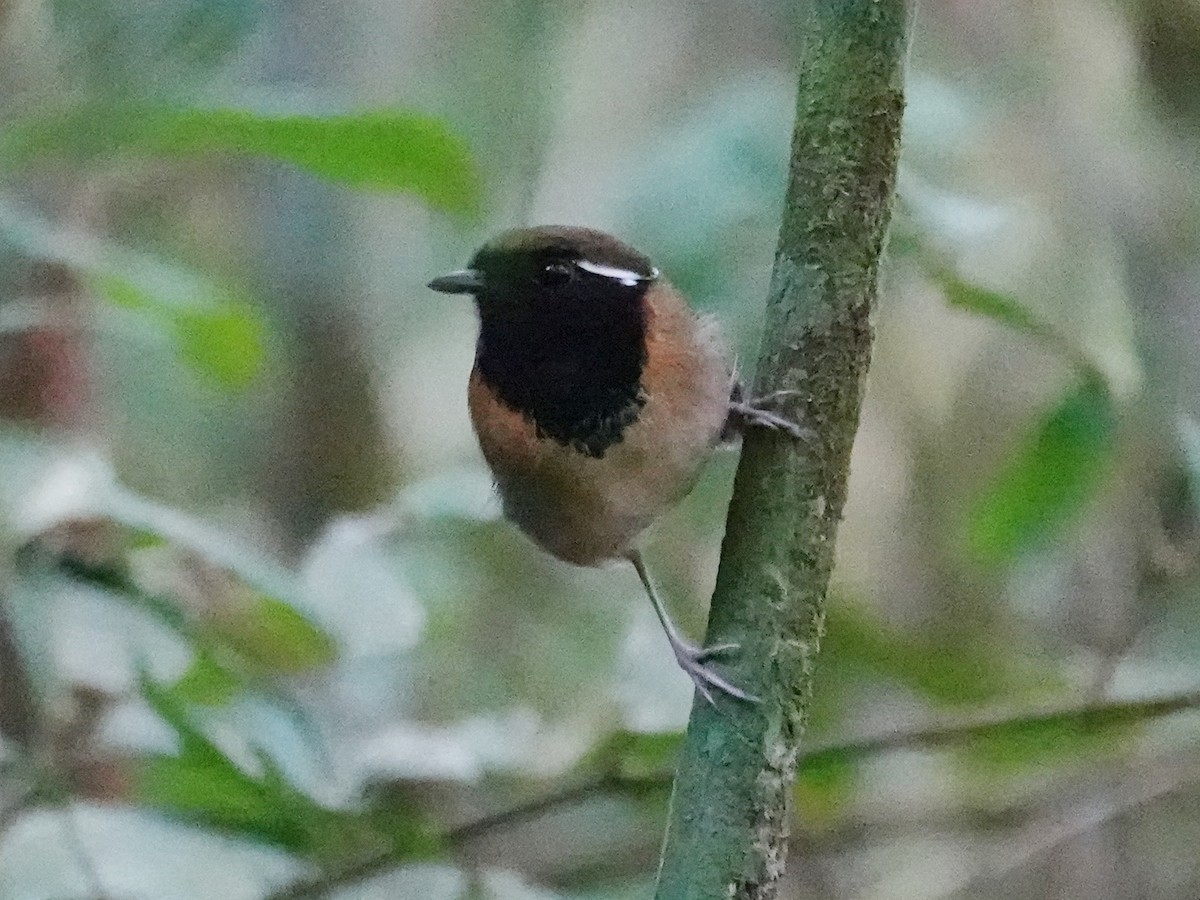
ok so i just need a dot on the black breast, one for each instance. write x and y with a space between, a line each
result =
573 366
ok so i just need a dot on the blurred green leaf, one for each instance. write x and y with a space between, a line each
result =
1189 437
216 331
265 625
706 195
123 292
1071 737
954 674
502 884
996 306
1049 480
219 337
226 342
121 47
202 784
207 682
208 542
207 788
380 150
824 785
632 754
222 667
1008 311
1036 736
277 637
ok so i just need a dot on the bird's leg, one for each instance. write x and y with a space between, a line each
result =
756 413
691 659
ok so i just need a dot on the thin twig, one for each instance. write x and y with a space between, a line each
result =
1056 829
940 734
83 856
937 735
1086 716
322 885
535 809
20 717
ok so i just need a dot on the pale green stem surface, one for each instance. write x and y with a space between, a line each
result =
728 828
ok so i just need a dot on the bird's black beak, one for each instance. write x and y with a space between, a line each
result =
467 281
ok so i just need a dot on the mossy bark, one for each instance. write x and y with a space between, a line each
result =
727 835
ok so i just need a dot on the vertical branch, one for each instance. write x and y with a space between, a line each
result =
727 834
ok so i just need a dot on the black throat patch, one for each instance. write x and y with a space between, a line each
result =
573 366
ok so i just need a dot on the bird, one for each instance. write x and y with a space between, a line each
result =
597 395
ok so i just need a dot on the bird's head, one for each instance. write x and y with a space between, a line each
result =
563 316
552 268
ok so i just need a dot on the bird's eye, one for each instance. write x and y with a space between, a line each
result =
554 274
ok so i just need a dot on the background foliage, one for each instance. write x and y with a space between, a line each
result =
262 633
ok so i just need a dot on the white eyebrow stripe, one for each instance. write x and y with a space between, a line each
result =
627 277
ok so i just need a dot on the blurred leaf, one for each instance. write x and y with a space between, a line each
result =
226 342
384 150
502 884
1040 742
352 566
824 785
426 881
121 47
622 890
225 665
1105 728
1008 311
468 494
208 789
996 306
1049 480
956 674
122 292
203 784
276 636
208 542
206 682
221 338
134 853
706 193
381 150
216 331
1189 437
265 626
632 754
1034 736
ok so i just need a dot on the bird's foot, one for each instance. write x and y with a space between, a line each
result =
756 413
693 660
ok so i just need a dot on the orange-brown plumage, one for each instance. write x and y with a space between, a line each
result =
588 510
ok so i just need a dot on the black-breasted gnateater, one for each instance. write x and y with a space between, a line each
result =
597 396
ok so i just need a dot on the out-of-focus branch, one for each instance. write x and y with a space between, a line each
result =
18 709
1058 827
945 735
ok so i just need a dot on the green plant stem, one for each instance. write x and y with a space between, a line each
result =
727 834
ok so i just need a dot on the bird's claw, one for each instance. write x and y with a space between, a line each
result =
775 397
707 653
692 660
753 413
